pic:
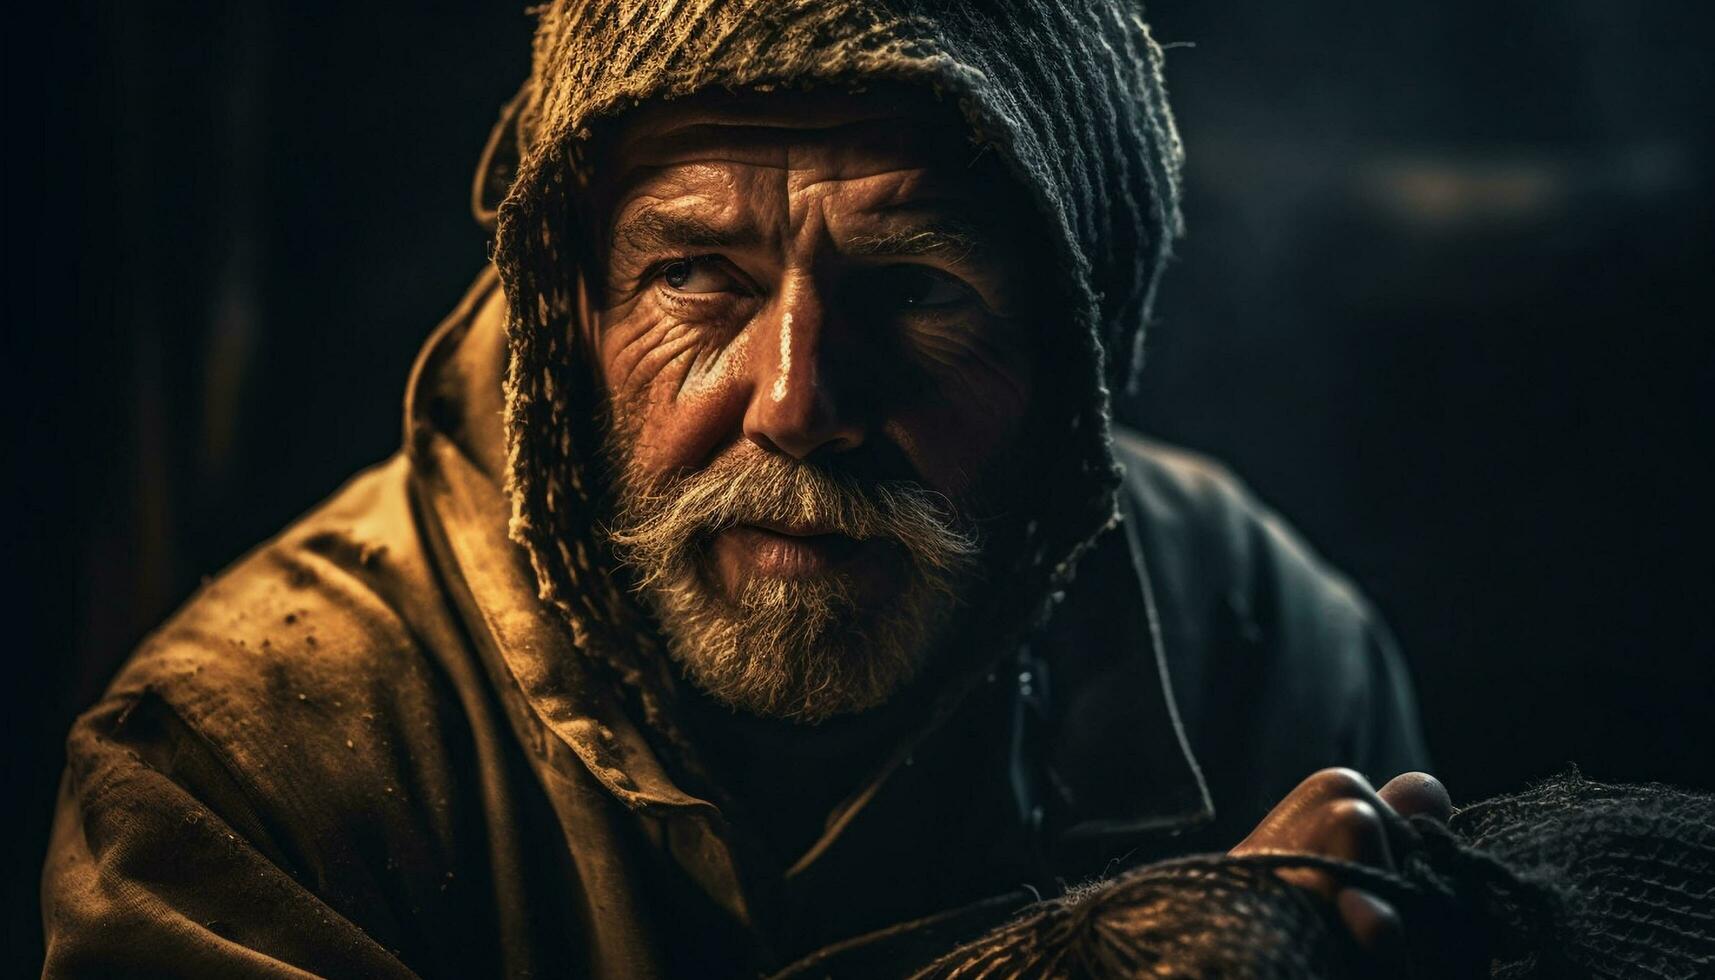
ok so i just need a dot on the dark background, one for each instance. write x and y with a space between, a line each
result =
1444 303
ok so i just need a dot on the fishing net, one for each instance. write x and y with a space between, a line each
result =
1571 879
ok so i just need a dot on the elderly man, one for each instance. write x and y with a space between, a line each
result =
761 569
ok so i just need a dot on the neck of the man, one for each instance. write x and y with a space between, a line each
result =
786 777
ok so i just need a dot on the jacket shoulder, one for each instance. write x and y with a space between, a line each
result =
293 690
276 775
1216 542
1280 664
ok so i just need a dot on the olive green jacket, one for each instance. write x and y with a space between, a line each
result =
369 750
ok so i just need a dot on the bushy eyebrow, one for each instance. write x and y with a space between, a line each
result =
652 229
955 242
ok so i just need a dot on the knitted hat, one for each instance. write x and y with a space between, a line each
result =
1069 93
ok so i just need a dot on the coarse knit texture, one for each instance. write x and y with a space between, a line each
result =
1069 93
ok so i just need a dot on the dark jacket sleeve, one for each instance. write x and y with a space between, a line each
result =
1384 733
1280 666
160 866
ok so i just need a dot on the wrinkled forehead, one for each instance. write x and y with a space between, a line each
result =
884 127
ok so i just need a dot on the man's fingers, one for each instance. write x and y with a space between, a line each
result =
1353 830
1284 827
1336 814
1345 830
1413 793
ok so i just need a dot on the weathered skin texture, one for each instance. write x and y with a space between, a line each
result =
852 290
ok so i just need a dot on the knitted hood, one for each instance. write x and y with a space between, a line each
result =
1068 92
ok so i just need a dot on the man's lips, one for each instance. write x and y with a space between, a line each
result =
792 530
869 571
786 551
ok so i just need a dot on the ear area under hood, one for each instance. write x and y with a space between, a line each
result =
1069 93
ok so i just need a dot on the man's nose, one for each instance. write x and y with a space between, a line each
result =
795 405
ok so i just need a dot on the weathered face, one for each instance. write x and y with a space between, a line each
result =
816 335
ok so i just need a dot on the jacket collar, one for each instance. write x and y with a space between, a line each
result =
453 438
1113 763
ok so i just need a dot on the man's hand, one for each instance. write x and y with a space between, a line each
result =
1336 814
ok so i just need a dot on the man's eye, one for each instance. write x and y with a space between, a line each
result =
915 287
698 275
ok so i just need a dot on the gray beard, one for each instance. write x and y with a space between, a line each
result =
795 649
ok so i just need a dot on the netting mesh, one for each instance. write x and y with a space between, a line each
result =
1570 879
1634 867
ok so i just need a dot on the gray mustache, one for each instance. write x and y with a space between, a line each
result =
654 526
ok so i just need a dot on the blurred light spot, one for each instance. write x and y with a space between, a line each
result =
1446 193
1441 193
